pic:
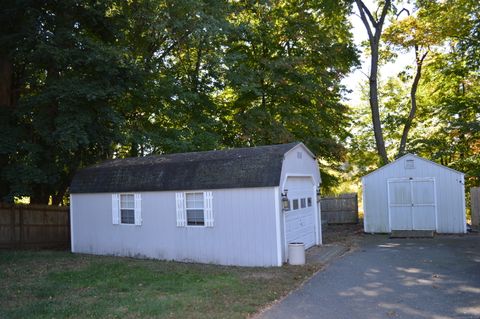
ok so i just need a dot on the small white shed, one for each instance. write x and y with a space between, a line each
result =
222 207
413 193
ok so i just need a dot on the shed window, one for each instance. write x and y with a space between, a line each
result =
409 163
194 206
194 209
309 202
127 209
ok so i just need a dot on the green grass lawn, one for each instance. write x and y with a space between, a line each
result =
52 284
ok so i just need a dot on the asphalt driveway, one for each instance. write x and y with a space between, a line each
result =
393 278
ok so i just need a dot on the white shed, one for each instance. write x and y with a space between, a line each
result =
222 207
413 193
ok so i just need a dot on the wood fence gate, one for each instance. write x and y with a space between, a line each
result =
342 209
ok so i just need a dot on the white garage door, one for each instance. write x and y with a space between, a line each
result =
411 204
300 219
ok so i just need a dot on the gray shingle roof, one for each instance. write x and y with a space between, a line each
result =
232 168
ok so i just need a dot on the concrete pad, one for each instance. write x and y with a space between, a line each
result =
325 253
412 234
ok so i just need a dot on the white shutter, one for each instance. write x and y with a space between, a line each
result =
138 209
115 209
207 200
181 216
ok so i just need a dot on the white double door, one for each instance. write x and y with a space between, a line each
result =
412 203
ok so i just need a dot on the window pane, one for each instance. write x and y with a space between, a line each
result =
195 217
309 201
127 216
194 200
303 203
127 201
190 204
295 204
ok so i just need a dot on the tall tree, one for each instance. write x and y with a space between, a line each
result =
412 33
286 60
374 24
67 74
83 81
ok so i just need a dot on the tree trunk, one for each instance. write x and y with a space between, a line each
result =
374 28
374 107
6 101
39 196
6 82
413 102
57 198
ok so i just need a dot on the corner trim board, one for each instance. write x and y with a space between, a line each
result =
72 241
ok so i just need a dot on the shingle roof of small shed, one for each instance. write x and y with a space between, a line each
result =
232 168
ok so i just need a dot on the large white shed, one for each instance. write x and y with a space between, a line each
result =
413 193
222 207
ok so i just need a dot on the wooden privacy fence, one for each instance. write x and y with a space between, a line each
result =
34 226
342 209
475 206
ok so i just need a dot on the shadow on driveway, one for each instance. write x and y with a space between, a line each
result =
393 278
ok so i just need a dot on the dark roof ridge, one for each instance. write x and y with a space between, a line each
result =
193 156
258 166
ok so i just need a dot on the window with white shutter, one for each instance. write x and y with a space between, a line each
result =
194 209
127 209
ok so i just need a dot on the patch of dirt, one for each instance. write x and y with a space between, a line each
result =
345 234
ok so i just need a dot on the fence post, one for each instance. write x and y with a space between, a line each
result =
13 234
356 207
20 224
475 206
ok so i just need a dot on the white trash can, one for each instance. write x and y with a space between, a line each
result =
296 254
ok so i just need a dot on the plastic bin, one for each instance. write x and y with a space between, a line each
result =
296 254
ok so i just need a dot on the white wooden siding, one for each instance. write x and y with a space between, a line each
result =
244 231
449 190
300 166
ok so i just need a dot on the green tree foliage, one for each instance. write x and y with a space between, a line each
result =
83 81
286 60
450 97
58 111
446 127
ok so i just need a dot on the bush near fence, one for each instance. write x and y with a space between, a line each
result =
341 209
34 227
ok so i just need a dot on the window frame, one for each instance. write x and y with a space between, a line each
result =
303 202
185 194
120 209
295 200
